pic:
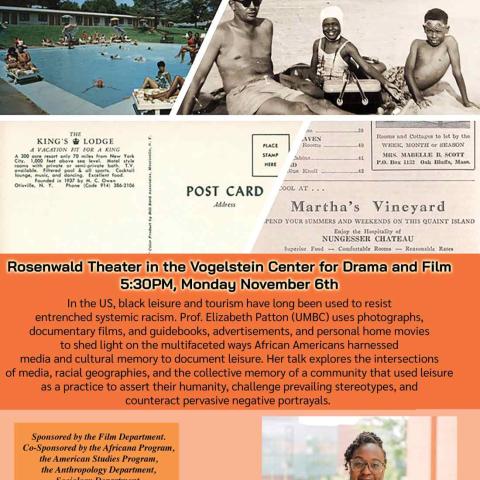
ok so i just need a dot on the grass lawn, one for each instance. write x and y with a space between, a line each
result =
33 34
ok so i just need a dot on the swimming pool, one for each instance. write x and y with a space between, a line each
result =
76 70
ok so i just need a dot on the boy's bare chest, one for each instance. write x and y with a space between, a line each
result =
433 55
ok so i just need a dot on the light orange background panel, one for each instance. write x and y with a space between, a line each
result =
219 444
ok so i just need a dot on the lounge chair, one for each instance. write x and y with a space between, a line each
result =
20 75
143 106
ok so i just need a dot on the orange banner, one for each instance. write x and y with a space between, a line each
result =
259 332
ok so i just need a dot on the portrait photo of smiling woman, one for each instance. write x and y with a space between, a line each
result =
327 447
365 458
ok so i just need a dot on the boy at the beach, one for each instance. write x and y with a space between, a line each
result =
428 61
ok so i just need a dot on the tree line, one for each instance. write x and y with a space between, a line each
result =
191 11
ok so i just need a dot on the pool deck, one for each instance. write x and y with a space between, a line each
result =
12 102
52 100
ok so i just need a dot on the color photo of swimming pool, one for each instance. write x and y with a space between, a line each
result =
77 69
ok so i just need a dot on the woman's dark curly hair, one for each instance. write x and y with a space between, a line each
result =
363 439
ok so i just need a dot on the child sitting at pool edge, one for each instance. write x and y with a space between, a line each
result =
428 61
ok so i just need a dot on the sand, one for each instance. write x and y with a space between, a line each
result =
379 28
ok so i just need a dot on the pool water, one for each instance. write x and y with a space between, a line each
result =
77 69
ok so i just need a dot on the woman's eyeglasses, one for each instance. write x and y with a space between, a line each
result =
358 465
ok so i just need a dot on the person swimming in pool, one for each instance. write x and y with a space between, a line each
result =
99 83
